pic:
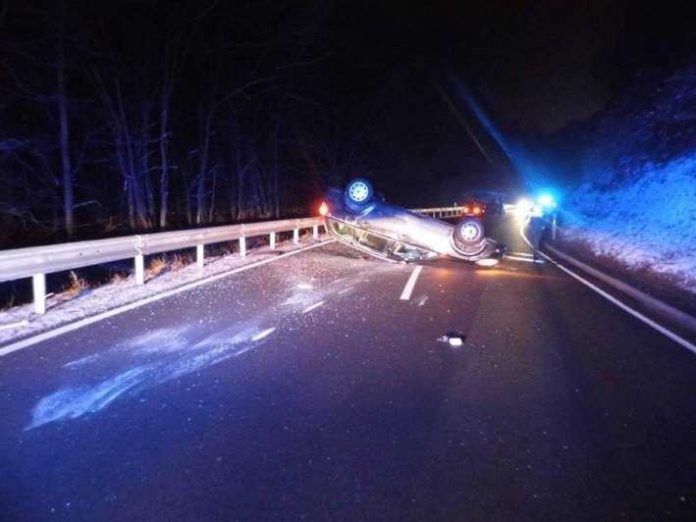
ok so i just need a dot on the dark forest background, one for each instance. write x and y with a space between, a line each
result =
145 115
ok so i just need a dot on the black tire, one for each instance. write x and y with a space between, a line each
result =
358 194
469 237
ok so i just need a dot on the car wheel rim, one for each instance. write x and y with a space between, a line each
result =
469 232
359 192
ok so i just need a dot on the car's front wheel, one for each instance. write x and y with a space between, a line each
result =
468 236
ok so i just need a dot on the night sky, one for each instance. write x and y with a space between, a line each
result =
537 65
272 102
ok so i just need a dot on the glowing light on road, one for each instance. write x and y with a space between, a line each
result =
487 262
323 209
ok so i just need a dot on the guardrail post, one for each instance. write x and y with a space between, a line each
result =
242 246
272 240
296 235
315 231
140 270
200 255
39 288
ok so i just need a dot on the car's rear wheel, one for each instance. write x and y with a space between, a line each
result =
358 194
468 236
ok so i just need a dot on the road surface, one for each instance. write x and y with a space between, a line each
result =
315 388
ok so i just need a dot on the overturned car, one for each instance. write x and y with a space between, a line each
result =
359 218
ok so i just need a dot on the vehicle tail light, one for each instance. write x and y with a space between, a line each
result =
477 210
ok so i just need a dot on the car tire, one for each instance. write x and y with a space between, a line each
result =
358 195
468 236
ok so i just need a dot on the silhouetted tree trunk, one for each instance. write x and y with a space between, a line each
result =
206 116
165 100
67 173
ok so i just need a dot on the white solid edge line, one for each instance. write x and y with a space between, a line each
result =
50 334
635 313
411 283
525 259
523 254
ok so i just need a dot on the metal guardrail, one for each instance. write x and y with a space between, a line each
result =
36 262
439 211
648 301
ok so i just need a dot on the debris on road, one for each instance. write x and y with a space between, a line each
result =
455 340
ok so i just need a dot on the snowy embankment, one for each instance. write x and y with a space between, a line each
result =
645 222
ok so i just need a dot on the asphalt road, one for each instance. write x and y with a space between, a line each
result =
306 389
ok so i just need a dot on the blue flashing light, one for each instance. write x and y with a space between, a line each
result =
546 200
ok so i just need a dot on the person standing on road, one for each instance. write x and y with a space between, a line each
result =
537 227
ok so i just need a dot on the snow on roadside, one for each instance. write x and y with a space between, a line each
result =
21 321
649 220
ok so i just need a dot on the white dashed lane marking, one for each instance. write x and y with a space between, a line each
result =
411 283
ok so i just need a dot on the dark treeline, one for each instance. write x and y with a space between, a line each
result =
122 116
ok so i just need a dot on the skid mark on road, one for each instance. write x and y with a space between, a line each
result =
313 307
94 381
70 327
262 334
174 354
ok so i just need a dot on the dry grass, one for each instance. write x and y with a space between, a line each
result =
177 263
118 279
76 286
156 267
